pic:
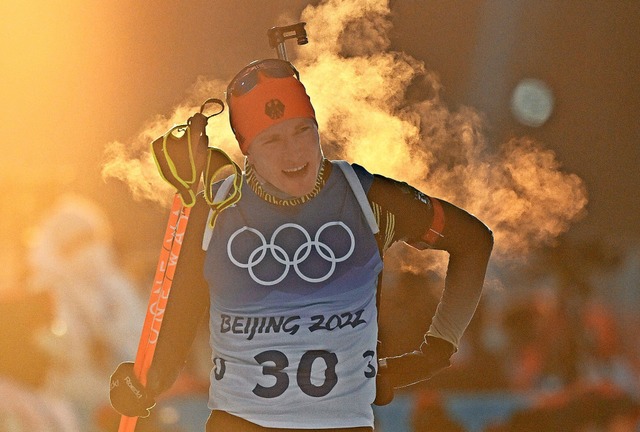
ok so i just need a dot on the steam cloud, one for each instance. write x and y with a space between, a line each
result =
133 162
384 110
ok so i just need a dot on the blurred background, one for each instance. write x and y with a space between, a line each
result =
523 112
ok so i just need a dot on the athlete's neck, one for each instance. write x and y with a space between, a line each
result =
272 194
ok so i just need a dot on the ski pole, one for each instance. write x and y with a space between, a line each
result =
180 162
171 245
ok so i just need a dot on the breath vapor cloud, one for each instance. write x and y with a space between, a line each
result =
384 110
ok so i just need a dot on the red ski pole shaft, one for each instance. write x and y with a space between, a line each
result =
171 245
156 309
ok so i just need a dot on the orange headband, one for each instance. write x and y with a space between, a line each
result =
271 101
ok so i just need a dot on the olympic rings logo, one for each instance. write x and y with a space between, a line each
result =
300 255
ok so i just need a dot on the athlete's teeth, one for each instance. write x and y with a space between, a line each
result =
295 169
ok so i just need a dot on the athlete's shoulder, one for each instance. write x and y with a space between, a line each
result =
364 176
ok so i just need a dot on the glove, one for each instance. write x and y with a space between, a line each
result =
128 396
411 368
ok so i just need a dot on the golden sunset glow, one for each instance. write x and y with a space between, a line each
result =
522 113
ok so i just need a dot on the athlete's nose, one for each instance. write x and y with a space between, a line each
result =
292 148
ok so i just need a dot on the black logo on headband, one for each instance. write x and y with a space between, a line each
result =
274 109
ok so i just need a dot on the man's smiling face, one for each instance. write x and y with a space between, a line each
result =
288 155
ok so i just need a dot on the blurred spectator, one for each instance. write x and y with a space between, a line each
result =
603 358
538 354
98 312
27 405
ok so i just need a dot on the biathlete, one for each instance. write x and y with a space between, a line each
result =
289 276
